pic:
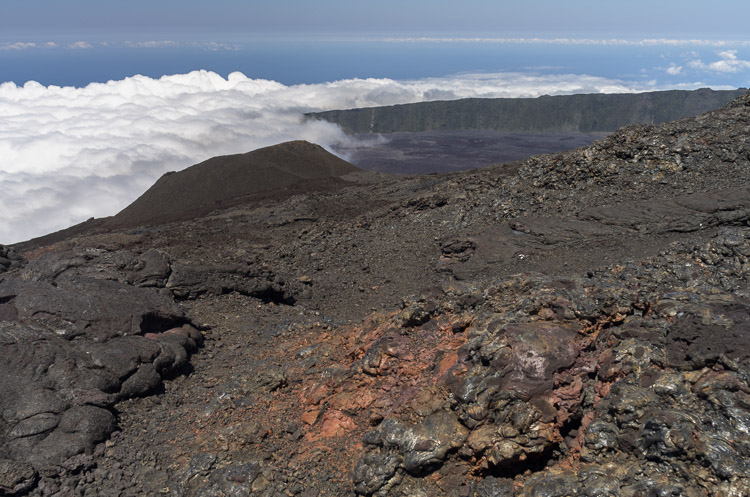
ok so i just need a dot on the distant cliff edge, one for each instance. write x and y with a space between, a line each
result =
546 114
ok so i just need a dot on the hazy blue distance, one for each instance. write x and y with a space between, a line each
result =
196 18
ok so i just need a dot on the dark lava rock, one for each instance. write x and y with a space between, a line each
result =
58 393
575 324
190 282
50 387
495 487
9 259
421 446
16 477
376 473
99 309
696 343
74 345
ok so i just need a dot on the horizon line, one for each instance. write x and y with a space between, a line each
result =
238 44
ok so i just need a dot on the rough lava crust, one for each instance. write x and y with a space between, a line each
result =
572 324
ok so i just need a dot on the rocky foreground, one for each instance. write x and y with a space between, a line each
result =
574 324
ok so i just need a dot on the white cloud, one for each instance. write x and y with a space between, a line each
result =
647 42
728 63
67 154
19 45
203 45
80 45
146 44
674 70
151 44
215 46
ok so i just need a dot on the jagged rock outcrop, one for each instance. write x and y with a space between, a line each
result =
610 383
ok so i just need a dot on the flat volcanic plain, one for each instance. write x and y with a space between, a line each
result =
427 152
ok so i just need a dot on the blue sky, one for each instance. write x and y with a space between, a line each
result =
228 18
677 43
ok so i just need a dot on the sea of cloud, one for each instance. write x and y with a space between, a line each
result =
68 154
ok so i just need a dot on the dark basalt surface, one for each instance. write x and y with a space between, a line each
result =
573 324
80 331
428 152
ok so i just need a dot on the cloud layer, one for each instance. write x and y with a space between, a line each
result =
728 62
622 42
78 45
559 41
68 154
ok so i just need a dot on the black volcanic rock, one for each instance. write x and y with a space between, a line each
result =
9 259
58 393
224 181
573 324
75 341
100 309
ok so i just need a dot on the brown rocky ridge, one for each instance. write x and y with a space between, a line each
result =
228 180
571 324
